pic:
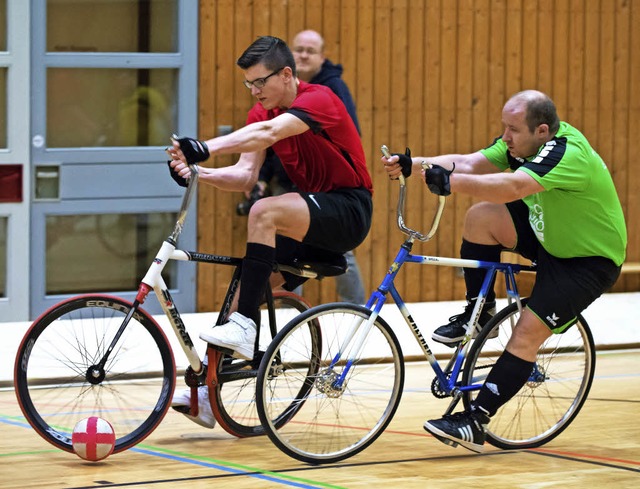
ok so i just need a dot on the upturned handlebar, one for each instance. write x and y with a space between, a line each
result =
412 233
186 201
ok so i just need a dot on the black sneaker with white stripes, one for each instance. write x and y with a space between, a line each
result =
451 334
466 428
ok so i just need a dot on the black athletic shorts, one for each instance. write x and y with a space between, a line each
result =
340 221
563 287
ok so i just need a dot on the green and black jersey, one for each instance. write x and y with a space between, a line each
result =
578 214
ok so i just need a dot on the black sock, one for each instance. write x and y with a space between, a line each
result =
504 381
473 277
254 279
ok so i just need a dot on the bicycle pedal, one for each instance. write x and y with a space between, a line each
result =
181 409
226 351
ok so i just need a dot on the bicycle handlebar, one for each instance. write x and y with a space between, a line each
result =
412 233
186 201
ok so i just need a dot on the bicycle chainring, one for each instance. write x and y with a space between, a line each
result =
436 390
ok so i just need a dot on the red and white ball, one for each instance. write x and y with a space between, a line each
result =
93 439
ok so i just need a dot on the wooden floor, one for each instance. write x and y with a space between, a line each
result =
600 449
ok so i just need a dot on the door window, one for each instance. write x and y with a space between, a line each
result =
106 252
108 26
110 107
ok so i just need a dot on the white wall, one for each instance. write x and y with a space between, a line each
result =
614 320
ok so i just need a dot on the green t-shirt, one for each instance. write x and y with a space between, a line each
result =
578 213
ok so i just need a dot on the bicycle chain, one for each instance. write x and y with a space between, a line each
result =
438 392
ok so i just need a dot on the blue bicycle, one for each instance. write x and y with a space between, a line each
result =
348 361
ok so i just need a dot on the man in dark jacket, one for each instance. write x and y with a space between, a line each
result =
313 67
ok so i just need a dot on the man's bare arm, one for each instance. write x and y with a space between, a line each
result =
257 136
251 141
475 163
499 188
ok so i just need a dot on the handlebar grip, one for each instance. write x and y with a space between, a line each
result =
387 154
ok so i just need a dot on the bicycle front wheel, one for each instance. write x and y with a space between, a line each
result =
233 398
553 395
60 379
324 401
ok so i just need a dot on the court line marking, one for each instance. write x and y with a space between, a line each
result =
225 466
233 468
593 459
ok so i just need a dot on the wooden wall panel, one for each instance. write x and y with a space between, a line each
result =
632 197
432 75
415 129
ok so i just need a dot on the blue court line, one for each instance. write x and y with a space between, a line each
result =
241 470
8 420
229 467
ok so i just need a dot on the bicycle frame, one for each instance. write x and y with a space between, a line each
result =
448 377
153 280
379 297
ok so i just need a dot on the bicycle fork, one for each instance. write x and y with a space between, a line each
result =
354 341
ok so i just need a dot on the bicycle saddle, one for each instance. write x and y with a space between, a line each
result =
336 265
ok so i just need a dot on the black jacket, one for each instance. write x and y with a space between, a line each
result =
330 76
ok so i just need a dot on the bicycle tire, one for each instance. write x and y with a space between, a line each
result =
554 394
328 423
57 385
233 398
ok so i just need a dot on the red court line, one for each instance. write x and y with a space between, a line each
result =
582 455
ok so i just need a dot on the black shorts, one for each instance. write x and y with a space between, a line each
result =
340 221
563 287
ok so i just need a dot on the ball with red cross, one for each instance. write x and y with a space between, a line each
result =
93 439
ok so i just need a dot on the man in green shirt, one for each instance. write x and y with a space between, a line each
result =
556 206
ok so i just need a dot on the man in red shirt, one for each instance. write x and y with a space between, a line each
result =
312 133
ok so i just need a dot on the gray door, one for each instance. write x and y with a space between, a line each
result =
110 82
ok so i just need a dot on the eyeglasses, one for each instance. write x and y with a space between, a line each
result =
302 49
260 82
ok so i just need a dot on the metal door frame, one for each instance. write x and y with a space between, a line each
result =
15 306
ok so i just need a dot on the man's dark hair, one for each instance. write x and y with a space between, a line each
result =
271 51
542 110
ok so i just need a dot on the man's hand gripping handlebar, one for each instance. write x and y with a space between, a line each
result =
413 234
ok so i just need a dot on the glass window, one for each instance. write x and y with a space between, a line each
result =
3 107
110 107
104 252
3 25
3 256
100 26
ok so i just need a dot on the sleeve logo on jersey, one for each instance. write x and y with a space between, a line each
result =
548 147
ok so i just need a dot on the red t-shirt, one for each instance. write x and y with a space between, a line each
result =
330 155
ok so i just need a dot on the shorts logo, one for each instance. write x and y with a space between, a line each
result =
493 388
553 319
313 198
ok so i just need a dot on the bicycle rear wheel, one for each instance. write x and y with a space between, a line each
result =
553 395
233 398
315 404
58 379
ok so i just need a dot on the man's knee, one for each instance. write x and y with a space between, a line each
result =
489 223
528 335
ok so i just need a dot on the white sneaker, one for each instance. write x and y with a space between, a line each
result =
239 335
181 402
